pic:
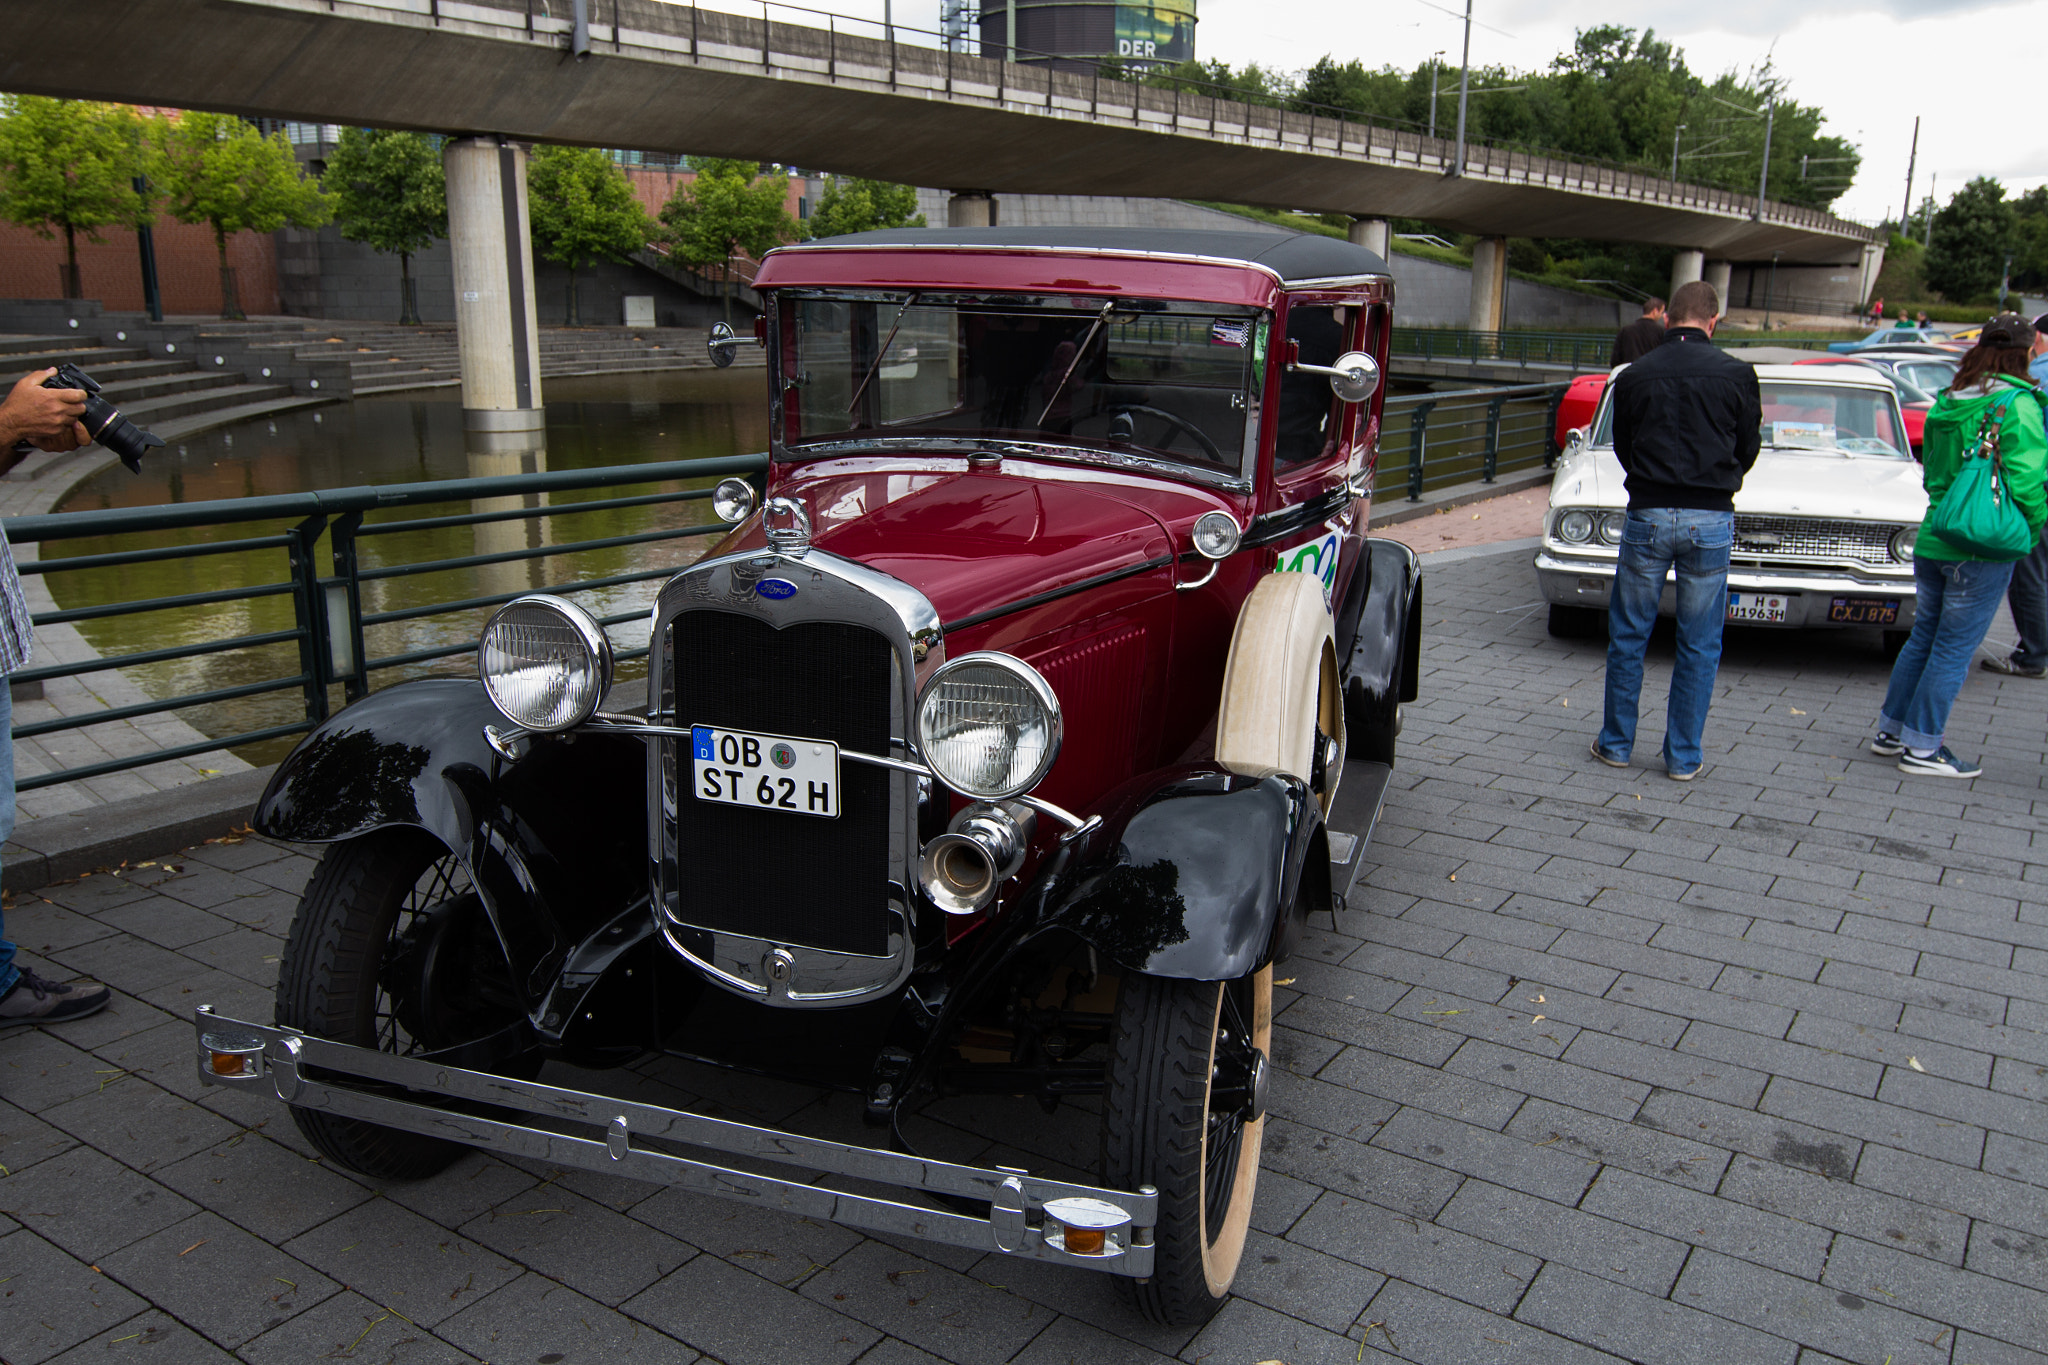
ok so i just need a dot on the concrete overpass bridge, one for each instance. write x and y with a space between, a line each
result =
667 77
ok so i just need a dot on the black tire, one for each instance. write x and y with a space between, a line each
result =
1170 1121
374 905
1576 623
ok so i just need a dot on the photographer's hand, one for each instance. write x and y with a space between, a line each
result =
45 418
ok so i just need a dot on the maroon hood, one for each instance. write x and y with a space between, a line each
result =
970 540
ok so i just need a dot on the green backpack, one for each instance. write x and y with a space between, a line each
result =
1978 515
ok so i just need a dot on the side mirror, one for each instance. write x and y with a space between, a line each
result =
1575 439
1354 378
722 341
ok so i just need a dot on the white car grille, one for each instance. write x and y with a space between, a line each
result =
1786 540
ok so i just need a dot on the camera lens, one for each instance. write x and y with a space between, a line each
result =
117 433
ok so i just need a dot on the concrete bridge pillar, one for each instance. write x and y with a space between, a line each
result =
971 208
1686 266
495 319
1489 284
1718 273
1374 234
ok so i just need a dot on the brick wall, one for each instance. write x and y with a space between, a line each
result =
187 268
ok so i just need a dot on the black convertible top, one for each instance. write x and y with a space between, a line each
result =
1293 257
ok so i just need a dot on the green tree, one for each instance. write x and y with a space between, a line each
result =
583 211
69 166
730 209
1972 233
2030 244
219 170
851 204
391 195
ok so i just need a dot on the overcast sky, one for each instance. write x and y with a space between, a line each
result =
1870 65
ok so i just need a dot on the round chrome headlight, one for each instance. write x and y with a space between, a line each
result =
1611 524
1902 543
1216 535
545 663
733 500
989 725
1575 526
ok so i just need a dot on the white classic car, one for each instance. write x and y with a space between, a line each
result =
1824 523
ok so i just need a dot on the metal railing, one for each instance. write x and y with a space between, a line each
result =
1574 350
328 616
1438 439
325 618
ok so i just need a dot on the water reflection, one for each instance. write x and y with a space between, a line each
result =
591 422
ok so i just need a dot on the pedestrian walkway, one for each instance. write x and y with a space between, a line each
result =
1589 1067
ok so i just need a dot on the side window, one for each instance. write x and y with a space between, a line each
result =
1306 424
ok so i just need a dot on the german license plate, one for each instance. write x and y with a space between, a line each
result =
765 772
1763 608
1864 611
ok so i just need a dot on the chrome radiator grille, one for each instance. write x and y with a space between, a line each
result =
1791 540
794 879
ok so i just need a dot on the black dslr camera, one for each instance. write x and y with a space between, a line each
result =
103 420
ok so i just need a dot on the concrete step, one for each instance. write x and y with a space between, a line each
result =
183 428
129 391
150 412
83 353
14 343
120 371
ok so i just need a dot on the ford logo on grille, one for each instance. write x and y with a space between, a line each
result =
777 588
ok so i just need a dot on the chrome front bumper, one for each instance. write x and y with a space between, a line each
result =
622 1137
1573 582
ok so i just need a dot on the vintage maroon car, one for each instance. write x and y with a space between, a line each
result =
994 751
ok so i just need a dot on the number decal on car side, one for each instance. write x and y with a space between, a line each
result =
1318 557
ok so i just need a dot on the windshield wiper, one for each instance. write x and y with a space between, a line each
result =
1079 351
887 341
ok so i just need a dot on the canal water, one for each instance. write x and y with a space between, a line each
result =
592 422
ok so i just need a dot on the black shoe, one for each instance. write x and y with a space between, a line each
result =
1886 745
2012 668
37 1000
1940 763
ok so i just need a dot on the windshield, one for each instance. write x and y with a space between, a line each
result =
1168 380
1823 418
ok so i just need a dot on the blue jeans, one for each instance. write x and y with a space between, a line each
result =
1695 545
1954 603
8 972
2028 598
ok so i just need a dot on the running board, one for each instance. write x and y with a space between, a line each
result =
1029 1216
1361 792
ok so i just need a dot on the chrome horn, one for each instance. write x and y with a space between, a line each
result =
984 847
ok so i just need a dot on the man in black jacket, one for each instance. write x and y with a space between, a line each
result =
1640 337
1688 422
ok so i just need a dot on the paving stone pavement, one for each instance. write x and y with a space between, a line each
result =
1590 1066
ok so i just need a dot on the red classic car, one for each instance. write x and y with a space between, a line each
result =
993 751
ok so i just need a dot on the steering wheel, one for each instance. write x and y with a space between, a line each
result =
1174 420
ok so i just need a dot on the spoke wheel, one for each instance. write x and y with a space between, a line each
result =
391 950
1185 1113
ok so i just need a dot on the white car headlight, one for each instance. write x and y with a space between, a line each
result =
1902 543
1611 524
545 663
1575 526
989 725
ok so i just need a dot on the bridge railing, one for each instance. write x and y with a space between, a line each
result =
298 634
840 52
1434 440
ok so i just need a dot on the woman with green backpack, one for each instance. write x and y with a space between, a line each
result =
1985 454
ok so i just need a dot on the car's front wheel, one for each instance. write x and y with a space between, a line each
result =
391 950
1184 1113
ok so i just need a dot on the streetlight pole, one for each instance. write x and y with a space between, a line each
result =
1912 159
1763 179
1436 62
1927 217
1464 87
1674 149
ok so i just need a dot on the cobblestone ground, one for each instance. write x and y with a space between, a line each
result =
1591 1066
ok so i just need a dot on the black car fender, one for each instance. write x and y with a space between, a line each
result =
1380 662
1191 872
549 871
